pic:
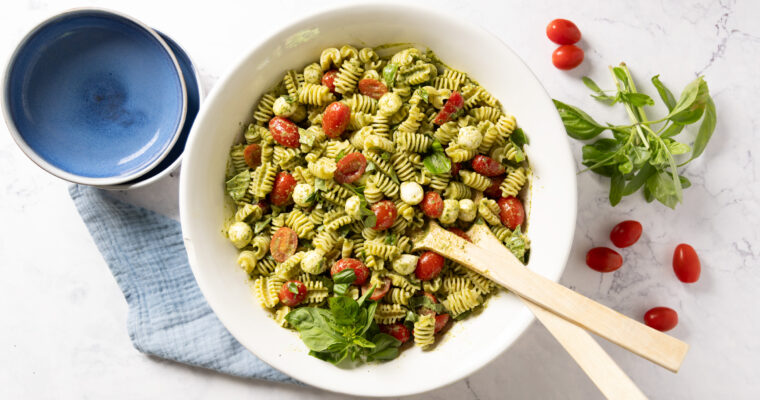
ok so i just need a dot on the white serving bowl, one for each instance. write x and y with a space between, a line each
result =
470 344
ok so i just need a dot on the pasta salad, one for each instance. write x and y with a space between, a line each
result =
345 159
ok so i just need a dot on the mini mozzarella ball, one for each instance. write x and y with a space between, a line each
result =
389 103
313 262
467 210
284 107
411 193
247 260
353 207
303 194
469 137
405 264
324 168
240 234
450 211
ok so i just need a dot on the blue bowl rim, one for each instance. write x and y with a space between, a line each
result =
44 164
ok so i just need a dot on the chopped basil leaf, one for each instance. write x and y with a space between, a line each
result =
346 276
437 162
238 185
293 287
340 155
423 93
519 138
263 224
424 301
389 74
320 184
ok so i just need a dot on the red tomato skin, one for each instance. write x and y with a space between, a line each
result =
626 233
511 212
264 205
386 214
283 244
487 166
429 266
335 119
494 191
603 259
379 291
372 88
455 167
686 263
432 204
453 104
289 298
284 132
328 79
284 184
252 155
462 234
661 318
440 322
350 168
361 270
398 331
567 57
562 31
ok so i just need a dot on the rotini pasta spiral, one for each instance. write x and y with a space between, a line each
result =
461 301
424 331
475 180
514 181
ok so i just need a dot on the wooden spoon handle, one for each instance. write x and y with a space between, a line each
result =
593 360
638 338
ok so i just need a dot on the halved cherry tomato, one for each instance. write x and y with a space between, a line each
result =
603 259
328 79
264 205
626 233
453 104
455 167
686 263
386 214
440 322
567 56
284 132
284 184
252 155
372 88
494 191
462 234
424 310
432 204
429 266
335 119
350 168
361 270
289 298
379 291
511 212
661 318
283 244
398 331
487 166
562 31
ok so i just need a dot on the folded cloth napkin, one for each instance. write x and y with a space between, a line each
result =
168 316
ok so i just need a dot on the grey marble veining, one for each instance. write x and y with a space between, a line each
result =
63 328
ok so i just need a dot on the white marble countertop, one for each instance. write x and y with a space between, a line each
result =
63 330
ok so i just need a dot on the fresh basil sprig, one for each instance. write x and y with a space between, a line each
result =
642 155
342 280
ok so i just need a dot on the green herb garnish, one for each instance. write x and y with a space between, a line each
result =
437 162
389 74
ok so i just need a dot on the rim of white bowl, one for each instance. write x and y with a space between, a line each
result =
185 217
44 164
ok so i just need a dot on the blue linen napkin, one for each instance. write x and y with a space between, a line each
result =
168 316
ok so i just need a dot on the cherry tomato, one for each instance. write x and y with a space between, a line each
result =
603 259
284 184
562 31
453 104
289 298
263 205
462 234
494 191
335 119
432 204
252 155
386 214
379 292
487 166
511 212
455 167
361 270
567 56
350 168
398 331
686 263
372 88
328 79
440 322
283 244
626 233
284 132
661 318
429 266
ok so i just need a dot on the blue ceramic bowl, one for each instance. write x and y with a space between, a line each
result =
94 97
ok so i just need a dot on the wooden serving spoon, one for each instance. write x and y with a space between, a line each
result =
638 338
593 360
